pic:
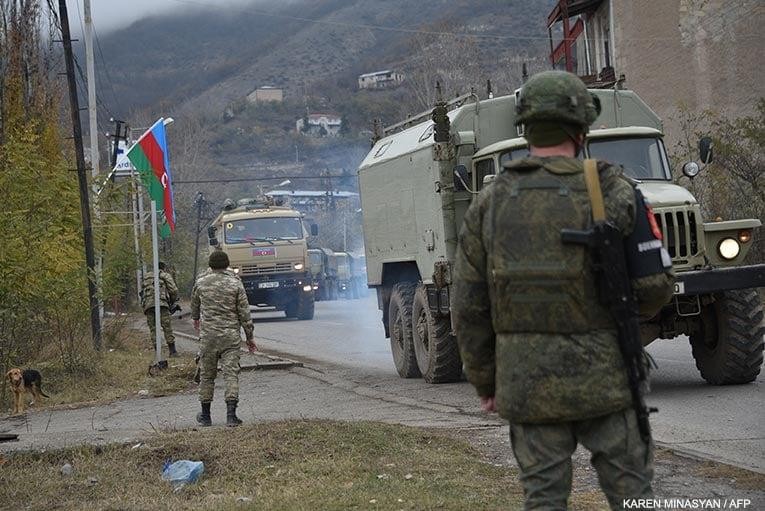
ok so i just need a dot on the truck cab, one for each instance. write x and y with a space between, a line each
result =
267 247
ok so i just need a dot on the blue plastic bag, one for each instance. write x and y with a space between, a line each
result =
182 472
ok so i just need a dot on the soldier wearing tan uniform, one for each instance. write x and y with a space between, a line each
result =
536 341
219 308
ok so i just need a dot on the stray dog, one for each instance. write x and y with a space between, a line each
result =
28 380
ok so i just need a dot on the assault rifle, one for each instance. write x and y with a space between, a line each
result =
606 246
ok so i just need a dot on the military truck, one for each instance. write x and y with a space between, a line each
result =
323 273
343 264
358 275
267 247
419 179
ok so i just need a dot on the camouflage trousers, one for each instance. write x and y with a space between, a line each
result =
227 353
623 461
164 321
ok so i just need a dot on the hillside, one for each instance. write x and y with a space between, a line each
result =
199 65
207 59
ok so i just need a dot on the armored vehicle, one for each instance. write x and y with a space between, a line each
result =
419 179
267 247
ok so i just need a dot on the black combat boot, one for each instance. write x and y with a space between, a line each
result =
171 350
231 419
203 417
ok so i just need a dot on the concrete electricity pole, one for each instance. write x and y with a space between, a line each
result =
82 178
93 125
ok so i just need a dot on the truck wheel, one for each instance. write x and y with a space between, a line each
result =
400 328
728 345
436 350
304 309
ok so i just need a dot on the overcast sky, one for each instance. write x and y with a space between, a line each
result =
112 14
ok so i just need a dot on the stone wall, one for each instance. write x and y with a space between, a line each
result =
704 54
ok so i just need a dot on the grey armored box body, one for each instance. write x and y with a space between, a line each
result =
419 179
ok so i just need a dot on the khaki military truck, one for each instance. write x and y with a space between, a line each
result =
419 179
343 265
323 273
267 247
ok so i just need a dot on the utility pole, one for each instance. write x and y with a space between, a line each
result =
82 179
91 74
94 153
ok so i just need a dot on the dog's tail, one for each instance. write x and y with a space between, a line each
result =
40 390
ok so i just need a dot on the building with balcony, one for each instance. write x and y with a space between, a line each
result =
674 53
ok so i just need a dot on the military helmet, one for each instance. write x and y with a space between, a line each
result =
218 260
557 96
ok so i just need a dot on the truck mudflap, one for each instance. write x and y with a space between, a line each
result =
699 282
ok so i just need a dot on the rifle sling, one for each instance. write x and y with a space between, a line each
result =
592 180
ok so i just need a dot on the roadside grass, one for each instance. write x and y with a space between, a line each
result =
119 370
741 478
290 465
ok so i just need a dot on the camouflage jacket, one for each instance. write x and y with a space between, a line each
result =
168 291
540 363
220 302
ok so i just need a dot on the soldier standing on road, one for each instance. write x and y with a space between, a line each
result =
168 295
536 341
220 304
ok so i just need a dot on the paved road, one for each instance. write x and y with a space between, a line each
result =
346 340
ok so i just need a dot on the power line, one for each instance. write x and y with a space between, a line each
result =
244 179
99 101
105 66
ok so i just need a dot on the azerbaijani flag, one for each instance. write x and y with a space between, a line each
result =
150 157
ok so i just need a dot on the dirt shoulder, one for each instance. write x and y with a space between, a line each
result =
275 396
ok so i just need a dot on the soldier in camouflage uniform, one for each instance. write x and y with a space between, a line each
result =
535 340
168 295
220 304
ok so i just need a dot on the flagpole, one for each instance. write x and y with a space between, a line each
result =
155 257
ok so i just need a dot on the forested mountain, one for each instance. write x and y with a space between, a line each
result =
205 59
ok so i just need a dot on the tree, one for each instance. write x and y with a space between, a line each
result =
733 185
345 127
452 60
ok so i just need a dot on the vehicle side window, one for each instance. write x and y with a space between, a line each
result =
483 168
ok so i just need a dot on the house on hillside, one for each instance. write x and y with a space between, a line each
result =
266 93
380 80
320 125
671 52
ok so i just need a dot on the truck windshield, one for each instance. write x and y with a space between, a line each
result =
642 158
264 229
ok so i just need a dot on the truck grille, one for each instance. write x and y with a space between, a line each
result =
266 269
680 230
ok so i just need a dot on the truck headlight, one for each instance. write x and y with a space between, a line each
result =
307 288
298 266
729 248
237 270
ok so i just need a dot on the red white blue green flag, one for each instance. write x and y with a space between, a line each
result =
150 157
